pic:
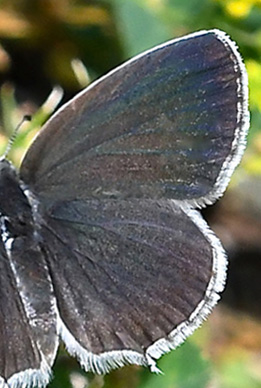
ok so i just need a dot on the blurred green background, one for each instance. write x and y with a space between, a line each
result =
49 50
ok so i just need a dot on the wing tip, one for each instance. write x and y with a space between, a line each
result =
241 130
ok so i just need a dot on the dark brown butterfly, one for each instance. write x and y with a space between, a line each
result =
101 243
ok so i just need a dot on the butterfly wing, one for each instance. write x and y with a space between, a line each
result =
170 123
135 274
27 318
132 278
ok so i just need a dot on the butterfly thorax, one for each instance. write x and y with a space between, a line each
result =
15 210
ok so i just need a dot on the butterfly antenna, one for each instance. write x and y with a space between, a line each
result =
13 137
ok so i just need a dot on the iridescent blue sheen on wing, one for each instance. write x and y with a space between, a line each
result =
160 126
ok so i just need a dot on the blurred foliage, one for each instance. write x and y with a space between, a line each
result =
44 43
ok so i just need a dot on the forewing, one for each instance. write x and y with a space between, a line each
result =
170 123
28 334
132 278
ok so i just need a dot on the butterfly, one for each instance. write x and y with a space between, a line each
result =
102 243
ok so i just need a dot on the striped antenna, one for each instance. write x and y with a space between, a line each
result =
13 137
